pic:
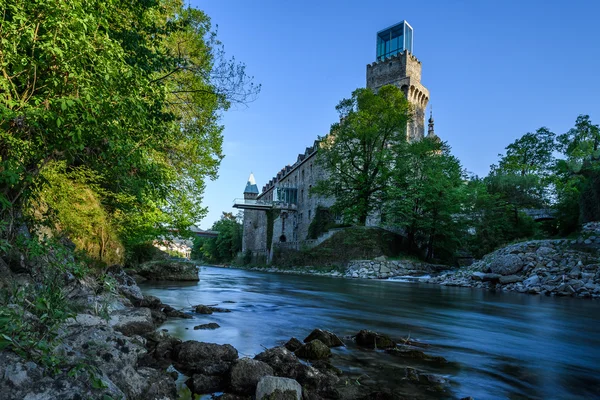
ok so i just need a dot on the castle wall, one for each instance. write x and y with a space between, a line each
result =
255 231
404 71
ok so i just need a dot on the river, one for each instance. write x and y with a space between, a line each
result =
507 345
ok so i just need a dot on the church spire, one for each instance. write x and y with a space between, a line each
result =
430 130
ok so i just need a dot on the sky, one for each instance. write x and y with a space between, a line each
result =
495 70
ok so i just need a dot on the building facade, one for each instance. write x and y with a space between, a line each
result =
280 214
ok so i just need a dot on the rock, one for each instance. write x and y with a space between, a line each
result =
277 388
328 338
374 340
544 251
313 350
507 264
168 270
433 382
126 284
211 325
150 302
204 384
130 322
173 313
286 364
417 355
326 366
158 317
531 281
202 309
203 358
245 374
510 279
380 258
293 344
575 272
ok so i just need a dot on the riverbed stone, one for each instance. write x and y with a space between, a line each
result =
313 350
168 270
330 339
203 358
510 279
245 374
374 340
293 344
278 388
132 321
210 325
507 264
205 384
532 281
287 364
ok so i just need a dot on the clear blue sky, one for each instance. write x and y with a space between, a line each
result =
495 70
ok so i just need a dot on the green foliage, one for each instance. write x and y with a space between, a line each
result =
223 248
531 154
425 198
576 175
130 90
359 151
31 315
69 203
491 220
321 223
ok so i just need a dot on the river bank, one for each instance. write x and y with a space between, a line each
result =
560 267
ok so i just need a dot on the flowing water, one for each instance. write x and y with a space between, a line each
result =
505 345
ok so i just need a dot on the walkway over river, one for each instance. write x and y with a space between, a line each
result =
508 346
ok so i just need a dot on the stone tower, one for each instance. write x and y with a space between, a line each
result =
396 65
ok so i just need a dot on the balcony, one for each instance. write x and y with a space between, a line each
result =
264 205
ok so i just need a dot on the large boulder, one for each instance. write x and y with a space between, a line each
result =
245 374
168 270
506 264
293 344
374 340
126 285
314 350
204 384
286 364
132 321
203 358
328 338
277 388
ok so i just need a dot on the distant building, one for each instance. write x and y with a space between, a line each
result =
280 214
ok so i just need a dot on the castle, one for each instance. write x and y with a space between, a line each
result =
280 214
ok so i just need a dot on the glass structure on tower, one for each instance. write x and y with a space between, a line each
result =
394 40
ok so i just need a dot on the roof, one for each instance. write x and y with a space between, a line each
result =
251 185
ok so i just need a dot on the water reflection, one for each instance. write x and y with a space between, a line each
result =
508 345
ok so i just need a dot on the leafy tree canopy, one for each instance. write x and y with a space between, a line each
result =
132 91
359 150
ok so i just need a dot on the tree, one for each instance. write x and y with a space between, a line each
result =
132 91
577 175
531 154
226 245
490 219
359 151
425 197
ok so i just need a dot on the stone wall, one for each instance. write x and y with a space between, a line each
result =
254 231
404 71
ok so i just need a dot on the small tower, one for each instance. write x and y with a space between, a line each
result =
251 191
396 65
430 130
